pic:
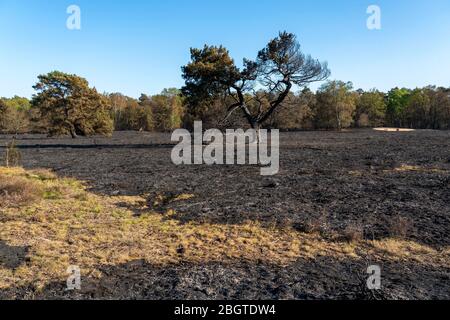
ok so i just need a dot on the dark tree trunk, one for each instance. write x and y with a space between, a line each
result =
73 134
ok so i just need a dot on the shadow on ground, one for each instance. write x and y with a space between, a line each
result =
12 257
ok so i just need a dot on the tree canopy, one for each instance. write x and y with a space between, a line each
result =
335 105
14 115
212 73
370 109
70 106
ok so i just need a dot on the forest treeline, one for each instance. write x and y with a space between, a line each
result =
334 106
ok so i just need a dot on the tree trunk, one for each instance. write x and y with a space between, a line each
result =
258 133
73 134
257 140
338 121
7 156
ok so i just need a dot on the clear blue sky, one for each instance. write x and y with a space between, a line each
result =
138 46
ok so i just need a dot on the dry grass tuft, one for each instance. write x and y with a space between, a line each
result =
18 191
400 227
394 129
406 168
159 200
42 174
317 225
353 233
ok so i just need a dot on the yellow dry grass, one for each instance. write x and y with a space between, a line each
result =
71 226
394 129
411 168
403 168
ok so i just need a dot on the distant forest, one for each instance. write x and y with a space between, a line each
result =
335 105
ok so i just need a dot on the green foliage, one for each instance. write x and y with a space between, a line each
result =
13 118
397 99
439 116
426 108
171 92
168 111
215 88
130 114
19 103
209 74
212 75
144 114
163 112
416 112
335 105
70 106
370 109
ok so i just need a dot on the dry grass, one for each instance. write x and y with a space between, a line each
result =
400 227
318 225
353 233
42 174
412 168
403 168
394 129
162 199
17 191
80 228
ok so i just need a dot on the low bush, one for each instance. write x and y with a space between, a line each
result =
18 191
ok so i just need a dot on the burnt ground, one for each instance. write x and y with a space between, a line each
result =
328 181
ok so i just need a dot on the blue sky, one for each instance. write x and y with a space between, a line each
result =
138 46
